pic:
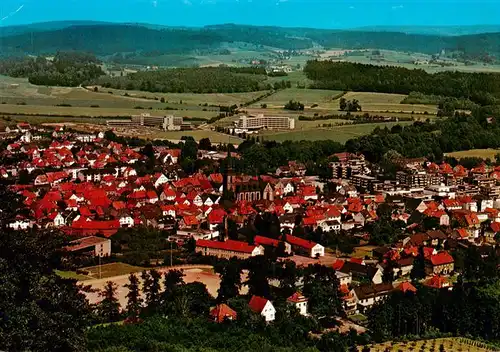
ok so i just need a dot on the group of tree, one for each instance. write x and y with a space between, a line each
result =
68 69
294 105
194 80
431 140
349 105
471 308
481 88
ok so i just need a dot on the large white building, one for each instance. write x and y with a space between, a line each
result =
268 122
169 123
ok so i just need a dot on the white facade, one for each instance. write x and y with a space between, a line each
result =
317 251
268 312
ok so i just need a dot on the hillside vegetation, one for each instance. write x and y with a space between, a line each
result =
482 88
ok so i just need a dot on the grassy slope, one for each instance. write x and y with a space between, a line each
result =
476 153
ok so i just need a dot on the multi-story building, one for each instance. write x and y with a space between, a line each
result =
228 249
266 122
413 178
364 181
169 122
351 165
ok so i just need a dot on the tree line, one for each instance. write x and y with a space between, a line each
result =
481 88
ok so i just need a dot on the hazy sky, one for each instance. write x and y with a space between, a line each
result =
292 13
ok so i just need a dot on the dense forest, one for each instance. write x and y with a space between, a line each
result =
108 39
68 69
481 88
192 80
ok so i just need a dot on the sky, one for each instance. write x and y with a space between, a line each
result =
288 13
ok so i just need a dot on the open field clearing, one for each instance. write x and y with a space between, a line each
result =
109 270
97 112
203 274
339 134
308 97
475 153
452 344
188 98
381 102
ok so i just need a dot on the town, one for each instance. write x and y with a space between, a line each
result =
373 236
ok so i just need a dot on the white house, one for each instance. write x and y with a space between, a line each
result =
161 180
59 220
126 221
262 306
299 301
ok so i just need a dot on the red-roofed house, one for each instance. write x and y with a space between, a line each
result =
406 287
312 249
299 301
222 312
440 263
437 281
99 247
262 306
228 249
271 242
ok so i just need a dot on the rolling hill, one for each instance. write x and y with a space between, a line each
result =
110 38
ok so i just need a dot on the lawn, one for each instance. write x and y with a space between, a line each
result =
339 134
112 269
381 102
71 275
476 153
433 345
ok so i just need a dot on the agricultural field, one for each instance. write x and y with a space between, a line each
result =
189 98
381 103
476 153
406 60
448 345
339 134
308 97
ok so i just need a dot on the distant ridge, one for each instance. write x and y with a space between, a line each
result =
435 30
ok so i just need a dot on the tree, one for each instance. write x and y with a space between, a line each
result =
342 104
152 289
418 271
294 105
36 304
321 286
171 280
230 279
205 144
134 303
109 307
258 274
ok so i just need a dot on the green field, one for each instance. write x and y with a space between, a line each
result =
307 97
434 345
476 153
339 134
381 102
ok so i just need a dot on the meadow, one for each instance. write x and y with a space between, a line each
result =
475 153
339 134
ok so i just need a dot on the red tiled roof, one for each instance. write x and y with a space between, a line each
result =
257 304
495 226
297 297
406 286
300 242
441 258
266 241
338 264
222 312
229 245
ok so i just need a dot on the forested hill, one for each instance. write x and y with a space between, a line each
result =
106 39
